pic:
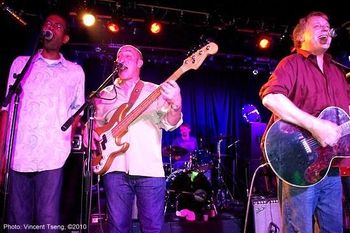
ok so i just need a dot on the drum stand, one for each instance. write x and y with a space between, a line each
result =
223 196
171 159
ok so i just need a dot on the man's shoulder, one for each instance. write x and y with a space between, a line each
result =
292 57
72 65
21 58
19 62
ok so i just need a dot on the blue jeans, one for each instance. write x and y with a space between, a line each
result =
121 189
34 199
322 201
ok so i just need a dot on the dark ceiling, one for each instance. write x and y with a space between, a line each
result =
233 24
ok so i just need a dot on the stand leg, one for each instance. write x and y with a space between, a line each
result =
9 159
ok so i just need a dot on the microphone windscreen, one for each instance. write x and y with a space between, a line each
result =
332 33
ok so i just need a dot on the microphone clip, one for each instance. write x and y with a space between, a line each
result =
119 66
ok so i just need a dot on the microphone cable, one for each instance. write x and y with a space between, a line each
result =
250 194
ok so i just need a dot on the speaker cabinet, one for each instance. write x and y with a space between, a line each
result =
267 215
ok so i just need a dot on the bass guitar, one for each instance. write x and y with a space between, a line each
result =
111 134
297 158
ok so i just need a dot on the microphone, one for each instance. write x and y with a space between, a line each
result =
118 65
47 34
333 33
341 31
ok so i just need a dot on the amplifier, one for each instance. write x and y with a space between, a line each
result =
267 215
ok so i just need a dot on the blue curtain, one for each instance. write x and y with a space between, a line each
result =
213 95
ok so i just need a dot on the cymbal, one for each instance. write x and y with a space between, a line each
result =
174 151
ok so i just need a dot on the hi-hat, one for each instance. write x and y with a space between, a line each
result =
174 151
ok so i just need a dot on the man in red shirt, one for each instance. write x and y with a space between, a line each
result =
302 85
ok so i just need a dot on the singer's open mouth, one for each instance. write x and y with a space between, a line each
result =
323 37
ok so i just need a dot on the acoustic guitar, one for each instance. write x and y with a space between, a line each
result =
297 158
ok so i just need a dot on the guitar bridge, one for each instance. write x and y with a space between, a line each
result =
305 145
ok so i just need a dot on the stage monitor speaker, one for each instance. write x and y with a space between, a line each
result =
267 215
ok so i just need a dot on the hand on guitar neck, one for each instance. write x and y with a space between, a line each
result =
170 92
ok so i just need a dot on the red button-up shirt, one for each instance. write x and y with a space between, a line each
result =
299 78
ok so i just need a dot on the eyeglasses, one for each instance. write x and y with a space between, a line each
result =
57 26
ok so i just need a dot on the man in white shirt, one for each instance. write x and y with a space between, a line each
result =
52 90
137 170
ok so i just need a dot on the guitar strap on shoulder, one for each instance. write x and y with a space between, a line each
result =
135 93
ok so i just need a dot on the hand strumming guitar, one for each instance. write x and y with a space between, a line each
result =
325 132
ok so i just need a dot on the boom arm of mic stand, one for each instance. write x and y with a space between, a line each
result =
70 121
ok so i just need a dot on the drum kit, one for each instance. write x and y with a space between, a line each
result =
191 186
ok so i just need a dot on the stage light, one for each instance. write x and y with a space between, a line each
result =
155 27
255 71
264 42
113 27
88 19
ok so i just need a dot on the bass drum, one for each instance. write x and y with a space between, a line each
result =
188 189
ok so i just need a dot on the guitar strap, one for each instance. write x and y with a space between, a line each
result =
135 93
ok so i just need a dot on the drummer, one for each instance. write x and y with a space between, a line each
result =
186 141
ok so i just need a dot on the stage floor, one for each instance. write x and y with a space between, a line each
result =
219 224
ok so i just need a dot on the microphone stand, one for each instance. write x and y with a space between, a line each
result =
14 89
87 174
